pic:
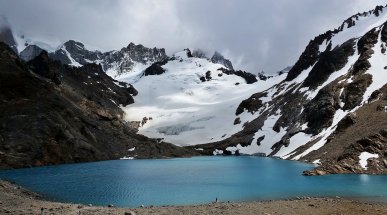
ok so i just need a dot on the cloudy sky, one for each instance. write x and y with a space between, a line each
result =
255 34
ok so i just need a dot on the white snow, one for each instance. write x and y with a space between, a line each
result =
127 158
296 141
304 126
218 152
317 162
323 46
186 111
363 159
132 149
362 26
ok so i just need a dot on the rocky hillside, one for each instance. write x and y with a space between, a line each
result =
52 113
331 109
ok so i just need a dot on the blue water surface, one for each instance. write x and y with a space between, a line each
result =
184 181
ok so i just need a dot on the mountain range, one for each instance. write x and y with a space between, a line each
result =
77 104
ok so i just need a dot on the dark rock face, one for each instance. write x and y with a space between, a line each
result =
365 48
308 57
249 78
329 62
353 92
188 51
156 68
47 68
384 33
251 104
140 53
126 57
76 119
77 51
30 52
218 58
237 121
320 111
208 76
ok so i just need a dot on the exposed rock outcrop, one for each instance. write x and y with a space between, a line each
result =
30 52
218 58
249 78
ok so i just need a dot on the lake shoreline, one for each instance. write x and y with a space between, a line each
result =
18 200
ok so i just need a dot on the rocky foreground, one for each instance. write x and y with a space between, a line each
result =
17 200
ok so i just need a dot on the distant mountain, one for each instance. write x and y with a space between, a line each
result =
331 109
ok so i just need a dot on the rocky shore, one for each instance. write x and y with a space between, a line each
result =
17 200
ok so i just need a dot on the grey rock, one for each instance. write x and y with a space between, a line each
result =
30 52
218 58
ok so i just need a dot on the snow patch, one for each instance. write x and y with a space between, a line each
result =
127 158
217 152
363 159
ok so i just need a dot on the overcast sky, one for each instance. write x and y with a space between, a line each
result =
255 34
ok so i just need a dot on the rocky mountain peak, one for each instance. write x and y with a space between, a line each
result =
327 41
30 52
142 54
219 58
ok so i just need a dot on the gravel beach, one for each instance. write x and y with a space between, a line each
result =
17 200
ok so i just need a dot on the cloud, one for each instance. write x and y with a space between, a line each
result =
257 35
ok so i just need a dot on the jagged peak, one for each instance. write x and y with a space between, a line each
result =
357 26
351 21
133 46
74 43
217 57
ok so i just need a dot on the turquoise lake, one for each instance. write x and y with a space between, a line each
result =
185 181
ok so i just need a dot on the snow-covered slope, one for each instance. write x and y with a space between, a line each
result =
339 73
181 108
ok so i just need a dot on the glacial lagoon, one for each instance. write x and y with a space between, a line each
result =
187 181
